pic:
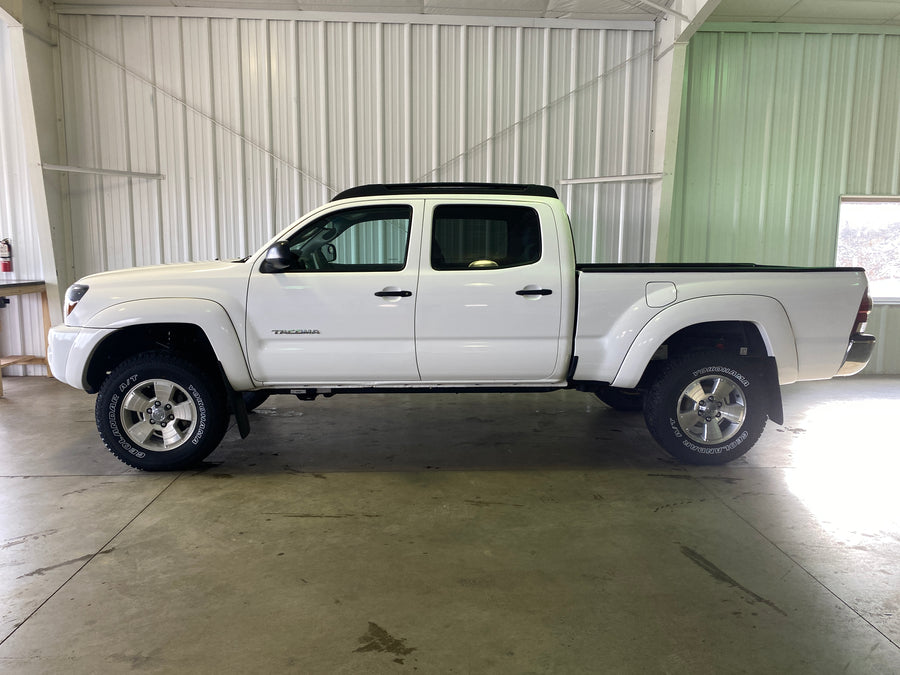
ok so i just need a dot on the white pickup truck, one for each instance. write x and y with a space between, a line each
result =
450 287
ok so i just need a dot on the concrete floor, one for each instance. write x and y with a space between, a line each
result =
536 533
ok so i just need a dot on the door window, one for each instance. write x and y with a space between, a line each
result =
367 239
467 237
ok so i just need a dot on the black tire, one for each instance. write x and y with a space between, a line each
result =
707 408
623 400
254 399
159 412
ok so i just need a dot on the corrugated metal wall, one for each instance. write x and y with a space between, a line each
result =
21 323
255 121
776 126
885 326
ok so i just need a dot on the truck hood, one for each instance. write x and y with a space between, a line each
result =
185 272
218 281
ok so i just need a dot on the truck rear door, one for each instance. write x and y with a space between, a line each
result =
490 295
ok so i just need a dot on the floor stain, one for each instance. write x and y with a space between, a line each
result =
40 571
138 661
719 575
377 639
276 412
793 430
722 479
675 505
34 536
75 492
323 515
479 502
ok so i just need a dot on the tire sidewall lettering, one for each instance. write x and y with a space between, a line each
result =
200 429
673 424
113 420
730 372
718 449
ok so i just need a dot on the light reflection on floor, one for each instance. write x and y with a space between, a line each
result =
846 467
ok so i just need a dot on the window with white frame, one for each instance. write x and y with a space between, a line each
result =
869 237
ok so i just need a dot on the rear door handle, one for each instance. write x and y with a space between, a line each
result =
534 291
393 294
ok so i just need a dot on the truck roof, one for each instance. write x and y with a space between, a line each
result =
394 189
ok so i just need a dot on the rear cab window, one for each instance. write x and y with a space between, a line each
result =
477 236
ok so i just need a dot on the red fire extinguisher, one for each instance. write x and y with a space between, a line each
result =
5 256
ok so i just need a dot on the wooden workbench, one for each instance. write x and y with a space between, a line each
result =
9 287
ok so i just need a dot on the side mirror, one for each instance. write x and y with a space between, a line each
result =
329 252
278 258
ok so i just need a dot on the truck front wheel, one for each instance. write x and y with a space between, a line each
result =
159 412
707 408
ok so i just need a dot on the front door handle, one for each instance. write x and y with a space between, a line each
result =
534 291
393 294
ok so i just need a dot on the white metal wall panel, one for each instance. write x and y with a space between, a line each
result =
253 122
21 322
141 115
776 126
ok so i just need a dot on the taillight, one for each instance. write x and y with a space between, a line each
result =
862 314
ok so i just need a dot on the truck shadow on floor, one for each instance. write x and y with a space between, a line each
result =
563 430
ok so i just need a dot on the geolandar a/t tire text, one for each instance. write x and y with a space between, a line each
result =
159 412
707 408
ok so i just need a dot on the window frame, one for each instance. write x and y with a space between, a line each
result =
351 267
878 297
481 208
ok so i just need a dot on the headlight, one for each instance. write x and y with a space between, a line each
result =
73 295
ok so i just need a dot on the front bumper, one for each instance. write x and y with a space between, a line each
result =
859 351
69 349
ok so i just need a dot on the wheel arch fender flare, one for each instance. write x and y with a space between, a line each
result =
209 316
766 313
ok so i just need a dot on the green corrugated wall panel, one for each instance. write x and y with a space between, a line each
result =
775 127
884 324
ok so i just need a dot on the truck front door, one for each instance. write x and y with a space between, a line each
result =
344 309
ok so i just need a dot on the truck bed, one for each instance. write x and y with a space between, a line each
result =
674 268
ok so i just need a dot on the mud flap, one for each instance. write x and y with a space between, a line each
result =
774 409
237 406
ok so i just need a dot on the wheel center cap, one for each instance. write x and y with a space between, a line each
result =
710 405
157 413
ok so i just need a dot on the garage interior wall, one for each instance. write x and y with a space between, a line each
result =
777 123
21 220
238 125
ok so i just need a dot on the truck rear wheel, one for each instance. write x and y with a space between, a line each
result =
159 412
707 408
